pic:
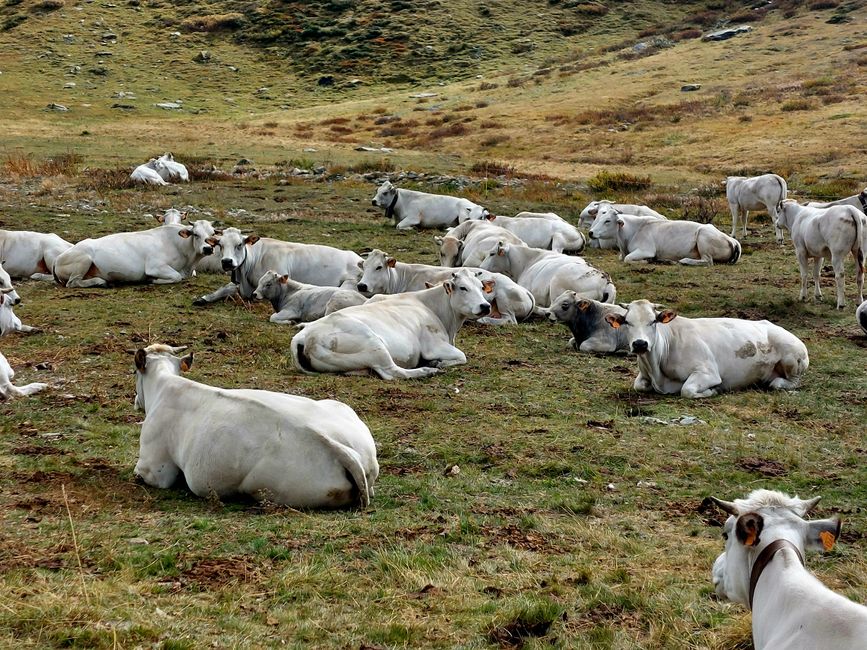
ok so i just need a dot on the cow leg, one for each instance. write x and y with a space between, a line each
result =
7 389
639 256
787 373
408 223
689 261
735 212
44 277
778 232
701 383
802 269
746 219
505 319
84 274
839 278
859 275
817 269
642 383
157 469
225 291
444 355
285 317
163 274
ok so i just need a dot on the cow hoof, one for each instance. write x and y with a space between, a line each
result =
200 302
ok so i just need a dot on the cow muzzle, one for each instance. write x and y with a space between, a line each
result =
374 203
640 346
484 309
227 264
207 250
361 287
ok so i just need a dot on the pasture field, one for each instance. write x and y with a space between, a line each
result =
574 521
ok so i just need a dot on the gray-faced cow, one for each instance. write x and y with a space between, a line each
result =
585 318
296 302
411 209
755 193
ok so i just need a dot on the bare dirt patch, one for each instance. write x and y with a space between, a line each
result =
763 466
216 573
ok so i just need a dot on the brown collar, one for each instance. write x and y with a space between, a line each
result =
765 558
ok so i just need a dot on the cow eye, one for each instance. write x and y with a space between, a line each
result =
463 288
379 268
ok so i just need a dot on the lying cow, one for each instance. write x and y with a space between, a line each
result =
382 274
249 257
27 254
404 336
700 357
172 170
510 302
150 173
296 302
552 234
409 208
171 216
547 274
586 320
856 201
9 322
819 232
160 255
551 216
8 390
7 288
762 567
649 239
468 243
861 316
588 214
286 448
209 263
754 193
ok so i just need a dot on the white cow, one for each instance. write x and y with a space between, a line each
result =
27 254
9 322
7 389
285 448
409 208
552 234
861 316
649 239
249 257
585 318
754 193
171 216
404 336
160 255
762 567
468 243
382 274
826 232
547 274
296 302
209 263
591 212
149 173
7 288
700 357
551 216
856 201
172 170
510 302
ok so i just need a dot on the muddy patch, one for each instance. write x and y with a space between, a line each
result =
763 466
215 573
511 534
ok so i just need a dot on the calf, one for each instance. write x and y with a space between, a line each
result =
7 389
409 208
9 322
149 173
552 234
762 567
700 357
295 302
754 193
160 255
468 243
27 254
510 302
285 448
404 336
586 320
819 232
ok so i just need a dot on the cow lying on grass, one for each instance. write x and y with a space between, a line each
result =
27 254
7 389
409 208
9 322
585 318
285 448
296 302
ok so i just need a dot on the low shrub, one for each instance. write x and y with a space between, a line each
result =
448 131
24 166
377 165
606 181
214 23
798 104
493 168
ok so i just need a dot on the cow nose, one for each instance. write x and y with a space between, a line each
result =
485 308
227 264
592 235
373 202
362 287
639 346
16 301
207 250
257 295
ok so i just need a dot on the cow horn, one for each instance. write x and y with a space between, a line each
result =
9 290
727 506
177 348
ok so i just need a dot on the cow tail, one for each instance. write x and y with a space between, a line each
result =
301 359
351 462
610 291
859 239
783 190
736 251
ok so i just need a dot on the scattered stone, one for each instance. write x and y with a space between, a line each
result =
646 484
174 34
725 34
232 68
138 541
99 72
120 94
423 95
75 69
683 420
686 88
374 149
57 107
169 106
611 487
310 150
124 107
326 80
109 36
452 470
69 38
69 84
202 57
244 161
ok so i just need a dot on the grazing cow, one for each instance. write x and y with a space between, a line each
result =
9 322
826 232
27 254
295 302
590 214
700 357
160 255
861 316
172 170
7 389
556 235
547 274
7 288
763 568
149 173
586 320
409 208
856 201
754 193
649 239
404 336
285 448
468 243
249 257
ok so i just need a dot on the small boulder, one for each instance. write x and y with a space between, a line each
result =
202 57
725 34
57 107
686 88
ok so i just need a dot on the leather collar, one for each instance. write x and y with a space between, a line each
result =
389 211
765 558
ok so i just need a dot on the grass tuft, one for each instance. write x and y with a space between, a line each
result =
606 181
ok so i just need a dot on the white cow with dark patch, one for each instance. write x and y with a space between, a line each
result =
7 288
861 316
8 390
646 239
27 254
404 336
149 173
551 234
285 448
833 232
296 302
172 170
411 209
701 357
856 201
763 568
468 243
585 318
9 322
755 193
160 255
249 257
547 274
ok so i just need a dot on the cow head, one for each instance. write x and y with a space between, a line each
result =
763 517
376 269
270 285
787 212
6 286
497 260
153 357
384 195
467 294
234 245
203 236
606 223
167 156
471 212
449 250
565 307
171 216
641 322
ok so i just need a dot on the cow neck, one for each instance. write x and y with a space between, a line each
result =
437 300
393 280
525 255
389 211
654 367
153 383
236 271
765 557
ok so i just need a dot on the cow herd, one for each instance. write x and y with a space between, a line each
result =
372 314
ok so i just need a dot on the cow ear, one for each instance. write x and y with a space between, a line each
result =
620 222
186 233
187 362
251 239
501 249
429 285
213 241
141 358
583 305
284 279
490 217
449 287
438 240
390 262
488 286
361 264
748 528
615 320
218 232
161 218
823 533
666 316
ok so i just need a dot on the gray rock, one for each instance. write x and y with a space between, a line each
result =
725 34
109 36
57 107
423 95
202 57
69 84
124 107
689 87
244 161
69 38
169 106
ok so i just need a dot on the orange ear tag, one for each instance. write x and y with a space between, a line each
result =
828 539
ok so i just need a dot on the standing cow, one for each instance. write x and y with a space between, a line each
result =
754 193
